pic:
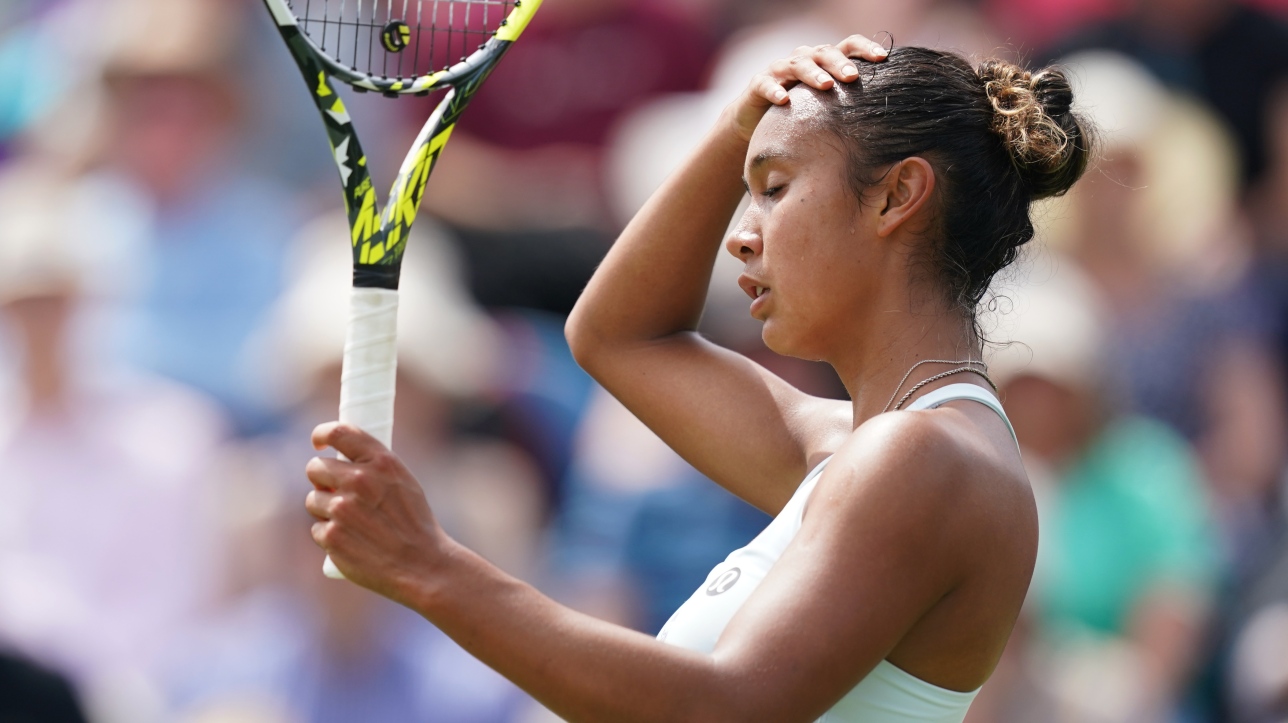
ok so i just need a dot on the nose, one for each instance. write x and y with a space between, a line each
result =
745 242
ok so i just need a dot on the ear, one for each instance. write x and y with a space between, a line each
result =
908 187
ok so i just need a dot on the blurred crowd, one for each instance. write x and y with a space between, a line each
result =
172 286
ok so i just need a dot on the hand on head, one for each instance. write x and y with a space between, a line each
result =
818 66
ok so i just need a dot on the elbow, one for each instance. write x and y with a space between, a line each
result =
584 344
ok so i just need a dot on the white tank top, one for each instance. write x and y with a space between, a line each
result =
885 695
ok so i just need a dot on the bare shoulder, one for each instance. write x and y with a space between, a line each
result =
950 473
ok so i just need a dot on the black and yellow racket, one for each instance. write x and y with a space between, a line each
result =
394 47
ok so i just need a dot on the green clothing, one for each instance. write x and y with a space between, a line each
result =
1129 515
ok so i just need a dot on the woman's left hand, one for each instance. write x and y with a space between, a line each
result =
372 516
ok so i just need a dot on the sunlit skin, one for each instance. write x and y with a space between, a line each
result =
916 546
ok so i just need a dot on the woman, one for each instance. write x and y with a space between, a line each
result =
885 193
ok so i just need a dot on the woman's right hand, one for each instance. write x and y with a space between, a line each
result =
818 66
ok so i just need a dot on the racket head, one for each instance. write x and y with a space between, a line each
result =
399 47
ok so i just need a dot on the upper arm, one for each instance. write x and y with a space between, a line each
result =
881 544
735 421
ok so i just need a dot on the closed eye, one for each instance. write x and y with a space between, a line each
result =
772 191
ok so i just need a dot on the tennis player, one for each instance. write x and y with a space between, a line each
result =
886 191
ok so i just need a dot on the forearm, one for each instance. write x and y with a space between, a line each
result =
581 668
654 280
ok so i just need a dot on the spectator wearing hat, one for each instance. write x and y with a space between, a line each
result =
105 544
1127 559
212 264
289 644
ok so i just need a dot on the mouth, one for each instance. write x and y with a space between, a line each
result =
753 288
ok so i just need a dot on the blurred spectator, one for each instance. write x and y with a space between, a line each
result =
485 492
1034 24
1257 677
1229 54
1127 561
1268 207
213 263
522 180
640 528
290 645
29 694
105 546
47 51
295 647
1155 226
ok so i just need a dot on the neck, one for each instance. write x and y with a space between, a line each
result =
872 372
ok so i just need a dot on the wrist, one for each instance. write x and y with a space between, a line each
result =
733 130
424 585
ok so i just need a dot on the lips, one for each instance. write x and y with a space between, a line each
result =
752 286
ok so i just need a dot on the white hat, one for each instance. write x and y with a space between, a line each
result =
36 254
1048 321
1120 97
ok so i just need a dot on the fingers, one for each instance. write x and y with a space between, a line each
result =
770 88
805 68
818 66
321 504
326 474
857 46
355 444
831 60
321 534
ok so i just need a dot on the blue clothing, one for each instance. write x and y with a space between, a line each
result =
214 268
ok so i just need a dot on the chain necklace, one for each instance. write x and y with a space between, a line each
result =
973 366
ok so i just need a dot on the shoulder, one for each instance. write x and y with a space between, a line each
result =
913 445
923 478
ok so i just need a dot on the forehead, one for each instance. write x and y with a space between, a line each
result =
794 130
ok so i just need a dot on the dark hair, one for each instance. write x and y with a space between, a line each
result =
998 138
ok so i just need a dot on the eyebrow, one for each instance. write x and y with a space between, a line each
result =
769 154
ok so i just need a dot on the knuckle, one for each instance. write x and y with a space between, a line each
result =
383 462
359 480
340 509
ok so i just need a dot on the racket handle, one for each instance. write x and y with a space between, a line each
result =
369 372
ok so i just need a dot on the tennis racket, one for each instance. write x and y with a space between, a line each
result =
394 47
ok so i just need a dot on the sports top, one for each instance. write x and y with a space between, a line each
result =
887 694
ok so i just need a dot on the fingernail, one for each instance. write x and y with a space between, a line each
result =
824 77
780 94
878 50
849 70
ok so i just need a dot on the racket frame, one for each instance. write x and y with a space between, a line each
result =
379 235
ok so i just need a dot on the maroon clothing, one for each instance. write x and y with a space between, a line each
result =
569 82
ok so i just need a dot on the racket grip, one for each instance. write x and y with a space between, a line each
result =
370 370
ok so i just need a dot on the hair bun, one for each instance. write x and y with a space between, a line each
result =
1032 113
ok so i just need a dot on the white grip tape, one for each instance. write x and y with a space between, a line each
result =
370 370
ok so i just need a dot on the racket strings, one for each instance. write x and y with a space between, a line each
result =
400 39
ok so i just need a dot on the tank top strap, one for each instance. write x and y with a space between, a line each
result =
955 392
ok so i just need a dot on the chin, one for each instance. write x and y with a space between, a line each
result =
780 339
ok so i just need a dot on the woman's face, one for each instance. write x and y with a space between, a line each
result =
805 235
